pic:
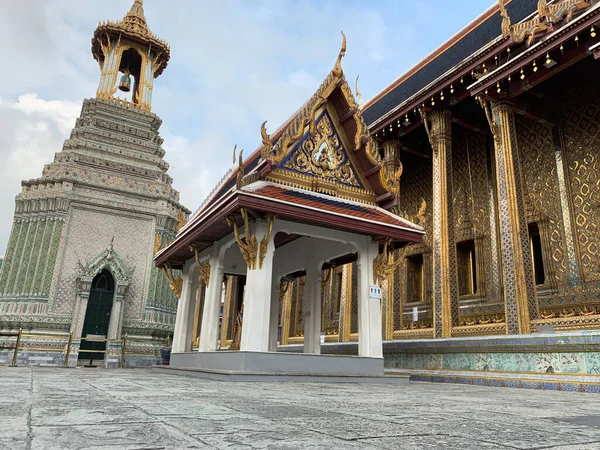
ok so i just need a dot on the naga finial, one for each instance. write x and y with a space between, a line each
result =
505 18
543 10
358 95
234 152
266 141
338 64
180 220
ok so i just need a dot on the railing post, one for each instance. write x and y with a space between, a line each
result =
14 360
68 349
123 350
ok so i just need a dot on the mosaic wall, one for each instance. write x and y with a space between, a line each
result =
580 112
471 200
569 353
415 186
542 198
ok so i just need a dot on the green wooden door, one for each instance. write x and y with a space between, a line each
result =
97 315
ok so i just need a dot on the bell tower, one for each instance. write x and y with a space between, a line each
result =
128 49
104 203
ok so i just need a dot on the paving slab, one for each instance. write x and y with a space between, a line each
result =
55 408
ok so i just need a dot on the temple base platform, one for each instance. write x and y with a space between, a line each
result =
295 367
567 360
546 381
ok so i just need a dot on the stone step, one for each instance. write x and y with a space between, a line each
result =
243 376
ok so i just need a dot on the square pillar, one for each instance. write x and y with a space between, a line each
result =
182 322
257 302
445 290
312 310
519 288
191 309
276 294
369 310
209 334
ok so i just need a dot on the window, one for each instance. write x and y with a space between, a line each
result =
535 244
467 267
414 278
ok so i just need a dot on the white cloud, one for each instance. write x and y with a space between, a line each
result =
62 112
32 130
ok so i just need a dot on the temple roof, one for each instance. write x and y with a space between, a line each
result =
134 27
320 167
272 158
479 33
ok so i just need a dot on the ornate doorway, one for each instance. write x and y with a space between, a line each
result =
97 315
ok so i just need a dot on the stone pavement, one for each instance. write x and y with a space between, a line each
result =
48 408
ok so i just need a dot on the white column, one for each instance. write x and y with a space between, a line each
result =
191 312
212 303
257 302
312 310
273 325
369 310
182 320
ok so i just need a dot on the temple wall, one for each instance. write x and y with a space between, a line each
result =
90 231
580 119
472 200
542 197
415 186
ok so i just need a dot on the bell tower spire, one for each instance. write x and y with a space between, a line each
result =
129 48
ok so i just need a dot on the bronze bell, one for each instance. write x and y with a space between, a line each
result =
125 84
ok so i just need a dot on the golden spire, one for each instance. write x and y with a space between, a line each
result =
137 10
135 18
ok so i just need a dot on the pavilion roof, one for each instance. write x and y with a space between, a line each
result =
287 203
346 190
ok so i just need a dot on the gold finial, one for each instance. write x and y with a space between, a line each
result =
505 18
266 141
157 243
180 220
337 69
175 283
240 174
234 150
543 10
358 96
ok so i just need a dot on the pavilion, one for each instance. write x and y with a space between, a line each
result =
315 194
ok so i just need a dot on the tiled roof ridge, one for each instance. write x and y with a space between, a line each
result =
432 55
445 60
257 186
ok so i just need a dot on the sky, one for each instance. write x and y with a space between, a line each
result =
234 64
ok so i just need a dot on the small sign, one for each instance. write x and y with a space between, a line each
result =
322 338
375 292
415 314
